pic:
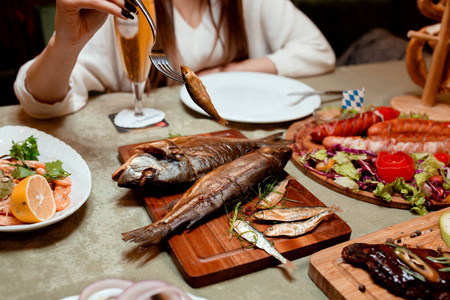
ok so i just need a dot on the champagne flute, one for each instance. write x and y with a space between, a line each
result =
134 38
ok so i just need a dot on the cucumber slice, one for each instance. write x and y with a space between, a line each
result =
444 226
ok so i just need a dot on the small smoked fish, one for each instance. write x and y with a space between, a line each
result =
250 234
290 214
230 182
275 195
199 95
181 160
294 229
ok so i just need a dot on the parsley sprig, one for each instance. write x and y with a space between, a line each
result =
25 150
28 150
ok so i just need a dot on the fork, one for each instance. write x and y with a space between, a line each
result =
157 55
311 93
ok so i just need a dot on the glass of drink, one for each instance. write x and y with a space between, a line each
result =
134 38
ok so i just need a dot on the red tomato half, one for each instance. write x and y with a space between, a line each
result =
391 166
388 112
444 157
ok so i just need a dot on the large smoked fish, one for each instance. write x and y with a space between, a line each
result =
407 272
180 160
230 182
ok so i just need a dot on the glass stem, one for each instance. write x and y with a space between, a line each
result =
138 91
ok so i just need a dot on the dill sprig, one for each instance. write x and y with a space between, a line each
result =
233 219
414 274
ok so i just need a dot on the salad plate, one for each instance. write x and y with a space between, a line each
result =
252 97
51 149
300 132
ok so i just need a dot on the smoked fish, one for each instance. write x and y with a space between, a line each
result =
181 160
199 95
230 182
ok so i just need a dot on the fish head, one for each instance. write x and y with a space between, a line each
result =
186 72
273 231
140 169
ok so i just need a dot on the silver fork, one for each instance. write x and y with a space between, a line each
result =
157 55
311 93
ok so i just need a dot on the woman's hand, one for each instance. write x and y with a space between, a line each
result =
76 21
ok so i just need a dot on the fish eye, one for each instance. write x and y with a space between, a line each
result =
150 172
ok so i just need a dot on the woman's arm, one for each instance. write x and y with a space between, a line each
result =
262 64
47 79
282 40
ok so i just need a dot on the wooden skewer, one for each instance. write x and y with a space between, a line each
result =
437 64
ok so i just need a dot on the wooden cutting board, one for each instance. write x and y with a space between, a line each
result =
206 255
299 131
341 280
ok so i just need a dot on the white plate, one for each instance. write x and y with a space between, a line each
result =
75 297
255 97
51 149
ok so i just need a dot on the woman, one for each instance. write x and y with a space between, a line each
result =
270 36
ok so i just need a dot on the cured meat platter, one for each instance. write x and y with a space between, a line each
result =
300 133
340 280
205 254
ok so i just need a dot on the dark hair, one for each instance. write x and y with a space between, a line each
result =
231 19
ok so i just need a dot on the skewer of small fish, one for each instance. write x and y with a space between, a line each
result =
199 95
290 214
250 234
293 229
275 195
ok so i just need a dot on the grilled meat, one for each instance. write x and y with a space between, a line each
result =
407 272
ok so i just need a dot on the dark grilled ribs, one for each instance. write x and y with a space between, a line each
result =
388 267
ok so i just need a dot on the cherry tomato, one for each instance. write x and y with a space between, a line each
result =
444 157
436 178
388 112
390 166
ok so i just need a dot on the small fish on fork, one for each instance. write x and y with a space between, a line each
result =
193 84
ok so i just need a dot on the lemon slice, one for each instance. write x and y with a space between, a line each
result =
444 226
32 200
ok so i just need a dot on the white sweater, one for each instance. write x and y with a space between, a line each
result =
275 29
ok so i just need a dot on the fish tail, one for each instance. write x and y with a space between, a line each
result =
221 120
334 208
275 139
152 234
289 266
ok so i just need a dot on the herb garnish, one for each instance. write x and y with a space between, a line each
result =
6 185
443 260
25 150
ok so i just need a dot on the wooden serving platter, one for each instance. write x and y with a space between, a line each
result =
340 280
206 255
299 131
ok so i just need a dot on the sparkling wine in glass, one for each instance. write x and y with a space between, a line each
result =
134 38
